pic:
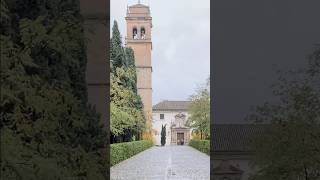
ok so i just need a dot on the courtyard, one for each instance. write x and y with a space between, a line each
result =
168 162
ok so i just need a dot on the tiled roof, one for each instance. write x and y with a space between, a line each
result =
172 105
235 137
225 167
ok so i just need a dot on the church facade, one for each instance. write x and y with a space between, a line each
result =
173 115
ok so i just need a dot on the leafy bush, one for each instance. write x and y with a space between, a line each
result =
201 145
123 151
48 128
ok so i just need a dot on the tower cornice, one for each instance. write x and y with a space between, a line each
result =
141 17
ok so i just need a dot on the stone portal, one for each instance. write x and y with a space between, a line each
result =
180 134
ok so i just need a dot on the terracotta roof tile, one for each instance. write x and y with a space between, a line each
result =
172 105
235 137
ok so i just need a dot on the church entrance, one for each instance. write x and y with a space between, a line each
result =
180 135
180 138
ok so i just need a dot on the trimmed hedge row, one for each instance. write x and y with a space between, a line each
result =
201 145
123 151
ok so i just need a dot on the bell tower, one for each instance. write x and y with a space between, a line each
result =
139 24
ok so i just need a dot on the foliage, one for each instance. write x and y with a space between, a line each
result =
201 145
116 49
47 128
196 136
199 111
120 120
291 147
123 151
147 133
148 136
163 135
127 117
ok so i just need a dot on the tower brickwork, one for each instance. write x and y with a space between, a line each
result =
139 24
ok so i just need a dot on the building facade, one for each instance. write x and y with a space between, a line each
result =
173 115
139 24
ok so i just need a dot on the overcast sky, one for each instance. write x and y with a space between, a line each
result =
180 41
250 38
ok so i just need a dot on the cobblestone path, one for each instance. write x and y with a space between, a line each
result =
169 162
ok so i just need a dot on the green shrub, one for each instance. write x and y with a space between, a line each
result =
201 145
123 151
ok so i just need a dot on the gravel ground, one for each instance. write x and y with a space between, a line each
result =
169 162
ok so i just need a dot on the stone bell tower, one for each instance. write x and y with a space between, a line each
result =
139 39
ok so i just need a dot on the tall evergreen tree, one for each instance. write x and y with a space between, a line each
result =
117 55
127 117
47 129
131 83
130 57
163 135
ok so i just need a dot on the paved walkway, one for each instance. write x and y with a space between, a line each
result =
169 162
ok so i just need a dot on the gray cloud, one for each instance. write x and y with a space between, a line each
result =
181 44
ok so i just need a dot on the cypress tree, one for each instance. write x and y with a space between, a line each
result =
130 57
127 118
163 135
116 50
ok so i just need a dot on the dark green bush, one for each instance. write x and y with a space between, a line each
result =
123 151
201 145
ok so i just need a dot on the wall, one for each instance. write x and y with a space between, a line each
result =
169 116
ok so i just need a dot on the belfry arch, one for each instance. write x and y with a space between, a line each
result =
143 33
134 33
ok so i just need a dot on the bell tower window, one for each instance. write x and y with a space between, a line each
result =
134 33
143 33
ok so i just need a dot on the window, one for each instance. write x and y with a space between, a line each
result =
143 33
135 33
161 116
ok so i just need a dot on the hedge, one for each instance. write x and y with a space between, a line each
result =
201 145
123 151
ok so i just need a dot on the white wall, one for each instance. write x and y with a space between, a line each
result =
169 116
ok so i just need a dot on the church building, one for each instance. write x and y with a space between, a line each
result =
173 115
